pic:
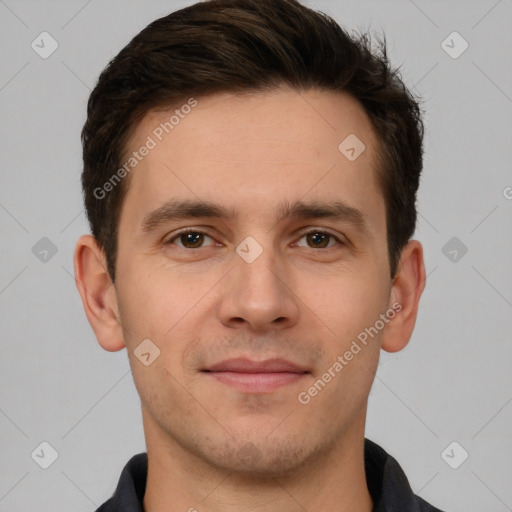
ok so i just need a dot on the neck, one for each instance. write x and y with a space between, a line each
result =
181 481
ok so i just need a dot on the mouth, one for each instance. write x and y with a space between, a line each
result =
256 376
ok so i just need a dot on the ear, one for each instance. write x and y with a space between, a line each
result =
406 291
98 293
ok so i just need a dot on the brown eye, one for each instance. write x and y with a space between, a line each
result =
190 239
320 239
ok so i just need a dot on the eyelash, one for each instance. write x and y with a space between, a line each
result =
199 232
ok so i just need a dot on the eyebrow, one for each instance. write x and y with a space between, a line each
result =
182 209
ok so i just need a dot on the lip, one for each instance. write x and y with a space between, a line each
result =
244 365
256 376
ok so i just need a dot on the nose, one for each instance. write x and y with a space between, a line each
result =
259 295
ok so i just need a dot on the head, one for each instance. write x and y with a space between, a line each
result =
231 118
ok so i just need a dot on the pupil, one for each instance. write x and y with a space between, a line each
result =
318 238
192 238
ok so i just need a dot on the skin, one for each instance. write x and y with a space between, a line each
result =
299 300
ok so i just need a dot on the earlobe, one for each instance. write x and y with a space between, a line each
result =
405 295
98 294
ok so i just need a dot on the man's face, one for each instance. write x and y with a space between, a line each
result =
210 297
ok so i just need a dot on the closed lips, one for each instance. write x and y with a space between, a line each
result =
243 365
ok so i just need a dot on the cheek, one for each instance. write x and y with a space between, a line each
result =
163 307
345 304
158 309
152 305
353 308
351 346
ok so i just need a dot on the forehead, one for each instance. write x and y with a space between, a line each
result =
256 149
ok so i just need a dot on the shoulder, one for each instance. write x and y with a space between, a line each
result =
388 484
108 506
423 506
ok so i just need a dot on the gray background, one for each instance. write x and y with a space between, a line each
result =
452 382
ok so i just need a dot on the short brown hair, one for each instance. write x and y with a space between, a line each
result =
249 45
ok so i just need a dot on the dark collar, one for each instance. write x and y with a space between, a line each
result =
386 482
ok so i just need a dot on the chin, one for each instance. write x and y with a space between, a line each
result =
263 457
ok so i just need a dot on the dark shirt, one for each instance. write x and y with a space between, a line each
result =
387 484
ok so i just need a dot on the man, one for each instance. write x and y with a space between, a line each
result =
250 175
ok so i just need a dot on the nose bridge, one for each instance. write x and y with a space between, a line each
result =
257 270
258 293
